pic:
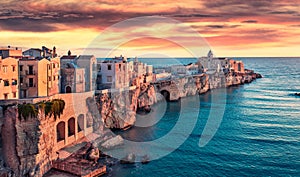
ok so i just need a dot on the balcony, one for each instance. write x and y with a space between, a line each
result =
30 72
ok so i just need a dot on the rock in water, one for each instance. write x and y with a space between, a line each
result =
297 94
129 159
113 142
145 159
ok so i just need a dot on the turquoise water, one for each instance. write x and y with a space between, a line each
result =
259 134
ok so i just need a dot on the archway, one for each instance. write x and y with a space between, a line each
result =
80 123
166 94
71 126
60 131
68 89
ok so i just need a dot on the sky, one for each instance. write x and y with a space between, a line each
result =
232 28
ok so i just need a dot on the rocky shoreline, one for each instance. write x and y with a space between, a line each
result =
118 109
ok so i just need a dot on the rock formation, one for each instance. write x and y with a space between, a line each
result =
118 109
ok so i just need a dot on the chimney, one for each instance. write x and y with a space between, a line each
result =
54 52
44 51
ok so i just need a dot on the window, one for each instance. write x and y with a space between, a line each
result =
108 67
5 96
54 78
120 67
14 94
30 68
4 69
49 78
31 82
49 67
13 68
109 79
53 65
21 80
6 83
14 82
21 67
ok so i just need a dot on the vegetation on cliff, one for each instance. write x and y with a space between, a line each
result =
53 108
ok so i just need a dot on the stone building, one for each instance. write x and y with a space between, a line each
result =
120 73
9 78
33 53
9 51
40 53
39 78
72 79
237 66
87 63
113 74
142 71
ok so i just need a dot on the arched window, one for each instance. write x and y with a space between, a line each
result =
60 131
68 89
71 126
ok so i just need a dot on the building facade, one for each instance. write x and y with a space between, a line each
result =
39 78
9 78
72 79
237 66
113 74
14 52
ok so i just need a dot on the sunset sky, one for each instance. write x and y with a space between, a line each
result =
231 27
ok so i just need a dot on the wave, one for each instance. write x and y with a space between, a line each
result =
270 125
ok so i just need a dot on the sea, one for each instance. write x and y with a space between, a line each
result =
257 129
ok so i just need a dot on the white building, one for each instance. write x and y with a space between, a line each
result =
33 52
113 74
120 73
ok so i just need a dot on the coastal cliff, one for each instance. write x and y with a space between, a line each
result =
118 109
32 145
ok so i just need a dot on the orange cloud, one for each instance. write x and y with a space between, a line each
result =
226 24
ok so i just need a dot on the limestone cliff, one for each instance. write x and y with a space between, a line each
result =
118 109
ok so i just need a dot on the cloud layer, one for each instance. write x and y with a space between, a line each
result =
231 23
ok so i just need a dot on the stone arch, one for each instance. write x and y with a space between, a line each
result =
60 131
71 126
68 89
80 123
166 94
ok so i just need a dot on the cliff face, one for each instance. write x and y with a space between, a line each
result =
28 145
9 140
118 109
